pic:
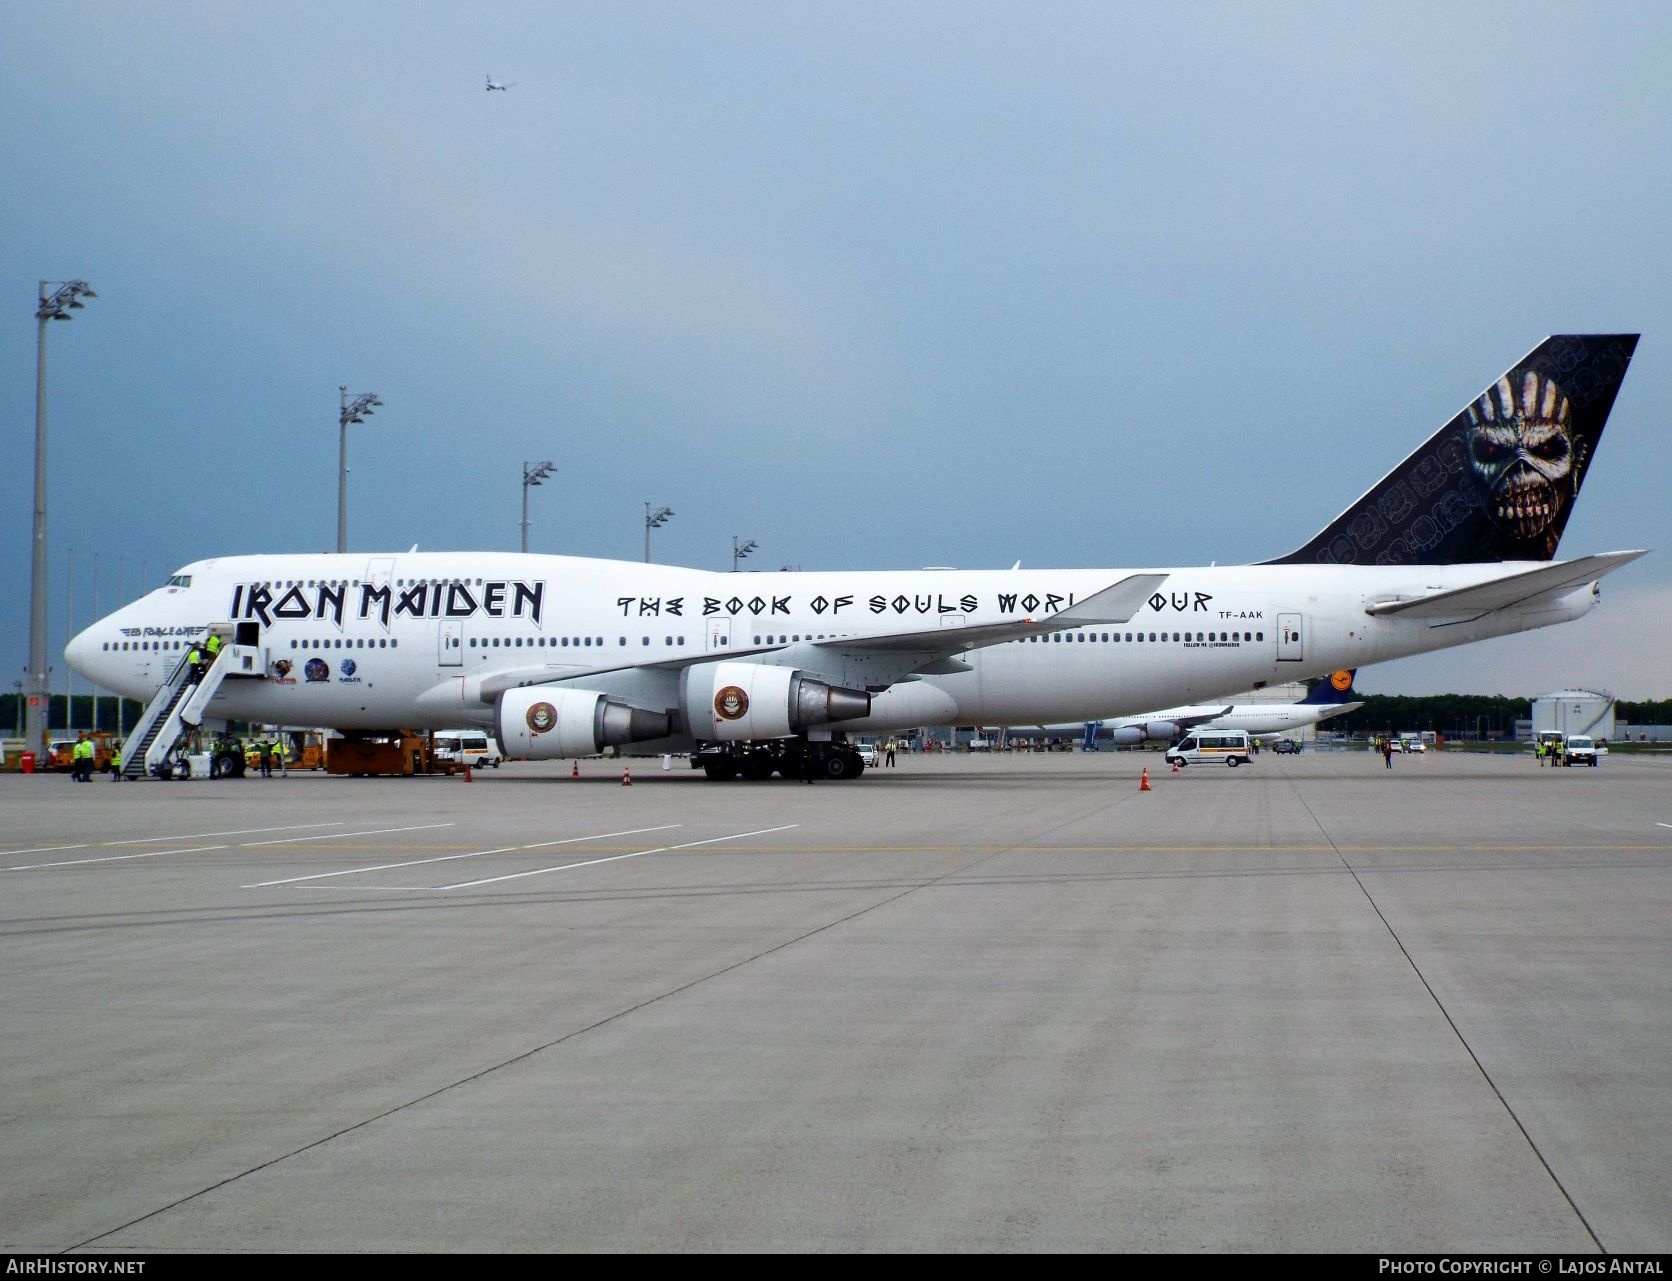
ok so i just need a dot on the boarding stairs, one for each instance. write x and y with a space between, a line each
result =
178 708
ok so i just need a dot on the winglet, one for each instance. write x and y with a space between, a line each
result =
1116 603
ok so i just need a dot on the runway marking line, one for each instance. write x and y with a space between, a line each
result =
152 840
337 836
448 858
616 858
112 858
244 831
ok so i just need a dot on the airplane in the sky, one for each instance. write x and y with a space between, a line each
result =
563 656
1331 696
494 85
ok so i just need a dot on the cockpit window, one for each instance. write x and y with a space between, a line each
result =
180 580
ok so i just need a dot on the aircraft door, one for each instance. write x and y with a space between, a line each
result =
719 634
450 646
1289 646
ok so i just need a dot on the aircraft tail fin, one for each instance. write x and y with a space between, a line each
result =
1337 687
1497 482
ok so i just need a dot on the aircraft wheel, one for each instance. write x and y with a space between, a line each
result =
757 767
838 766
720 771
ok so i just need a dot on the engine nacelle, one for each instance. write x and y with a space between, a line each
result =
1126 735
735 701
543 723
1161 731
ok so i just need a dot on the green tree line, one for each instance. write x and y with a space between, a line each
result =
1487 716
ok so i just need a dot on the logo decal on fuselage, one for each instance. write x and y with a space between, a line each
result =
731 703
328 602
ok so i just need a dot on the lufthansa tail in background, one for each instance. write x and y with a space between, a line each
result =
771 672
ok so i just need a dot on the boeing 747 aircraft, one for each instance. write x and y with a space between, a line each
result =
562 656
1329 697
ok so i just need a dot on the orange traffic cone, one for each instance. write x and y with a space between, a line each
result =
1175 765
1143 782
467 773
575 770
627 776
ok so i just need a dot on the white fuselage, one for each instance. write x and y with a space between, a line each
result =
426 639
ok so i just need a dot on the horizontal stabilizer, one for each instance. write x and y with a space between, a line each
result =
1505 592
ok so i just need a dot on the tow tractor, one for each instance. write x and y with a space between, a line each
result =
798 757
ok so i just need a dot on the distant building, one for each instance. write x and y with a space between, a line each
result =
1575 711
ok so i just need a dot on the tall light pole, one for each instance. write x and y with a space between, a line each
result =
351 411
740 549
532 476
95 615
56 306
653 520
69 635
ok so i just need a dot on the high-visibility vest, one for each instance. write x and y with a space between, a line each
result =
214 646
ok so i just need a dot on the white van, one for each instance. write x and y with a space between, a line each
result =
1202 746
463 747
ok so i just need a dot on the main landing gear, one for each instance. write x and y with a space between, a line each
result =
790 758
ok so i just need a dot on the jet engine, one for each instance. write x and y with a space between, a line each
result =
1142 732
542 723
736 701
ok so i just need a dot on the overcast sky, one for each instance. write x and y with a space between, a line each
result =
878 286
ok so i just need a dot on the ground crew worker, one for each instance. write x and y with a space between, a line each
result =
116 764
81 760
266 750
212 648
195 658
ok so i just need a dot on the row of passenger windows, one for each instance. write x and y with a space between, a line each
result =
341 642
1134 637
554 642
785 640
579 642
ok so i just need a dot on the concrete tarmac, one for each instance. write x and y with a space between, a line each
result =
965 1004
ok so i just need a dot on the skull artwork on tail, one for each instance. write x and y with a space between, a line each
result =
1525 459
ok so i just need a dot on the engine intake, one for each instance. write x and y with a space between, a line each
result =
544 724
736 701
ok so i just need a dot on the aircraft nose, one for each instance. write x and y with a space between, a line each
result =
81 654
